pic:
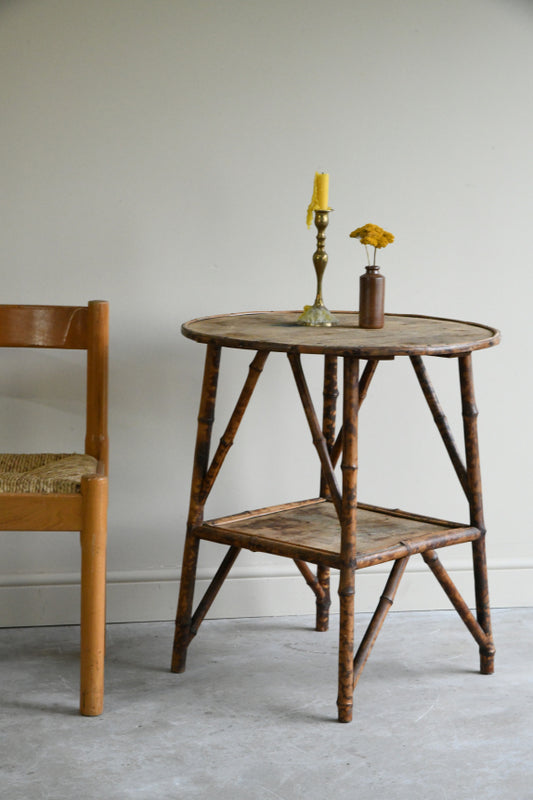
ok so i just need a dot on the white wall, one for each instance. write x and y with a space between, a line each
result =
161 154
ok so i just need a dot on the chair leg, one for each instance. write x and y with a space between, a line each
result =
93 593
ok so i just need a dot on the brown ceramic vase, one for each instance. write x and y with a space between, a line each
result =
371 298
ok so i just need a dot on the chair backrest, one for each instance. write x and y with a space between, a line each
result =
69 328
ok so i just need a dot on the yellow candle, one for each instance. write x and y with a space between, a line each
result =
322 190
319 200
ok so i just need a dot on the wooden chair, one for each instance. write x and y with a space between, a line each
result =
67 492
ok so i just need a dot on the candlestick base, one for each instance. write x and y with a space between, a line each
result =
317 316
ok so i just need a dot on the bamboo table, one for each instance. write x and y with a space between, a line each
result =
334 530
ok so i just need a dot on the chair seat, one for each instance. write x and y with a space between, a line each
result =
44 473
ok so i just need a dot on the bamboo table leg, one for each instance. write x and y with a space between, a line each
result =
476 509
196 508
348 533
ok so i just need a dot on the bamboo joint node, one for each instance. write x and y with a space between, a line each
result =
409 547
346 592
207 420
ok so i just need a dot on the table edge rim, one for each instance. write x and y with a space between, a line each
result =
386 350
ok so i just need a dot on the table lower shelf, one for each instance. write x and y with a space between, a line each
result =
309 530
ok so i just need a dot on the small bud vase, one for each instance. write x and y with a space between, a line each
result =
371 298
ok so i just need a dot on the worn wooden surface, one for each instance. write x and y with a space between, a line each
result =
401 334
311 531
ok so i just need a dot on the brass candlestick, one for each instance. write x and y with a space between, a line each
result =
318 314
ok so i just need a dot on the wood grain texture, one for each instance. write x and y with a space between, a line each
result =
40 512
93 594
43 326
96 435
401 334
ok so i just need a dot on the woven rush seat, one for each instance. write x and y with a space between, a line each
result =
44 473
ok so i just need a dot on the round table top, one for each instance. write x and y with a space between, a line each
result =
401 335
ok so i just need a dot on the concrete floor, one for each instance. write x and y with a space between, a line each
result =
254 715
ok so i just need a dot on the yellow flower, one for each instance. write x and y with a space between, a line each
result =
372 235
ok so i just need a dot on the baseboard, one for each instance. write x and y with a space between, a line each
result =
32 600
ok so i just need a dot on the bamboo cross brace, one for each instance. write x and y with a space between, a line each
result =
330 395
318 437
228 437
323 603
432 560
366 377
371 634
311 580
440 421
329 414
212 590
